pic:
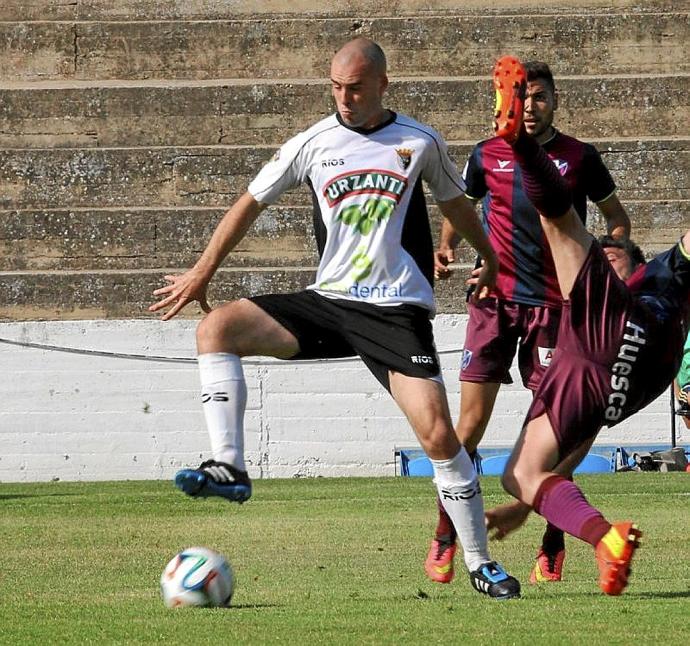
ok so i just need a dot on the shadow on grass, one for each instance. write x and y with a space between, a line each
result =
681 594
252 606
14 496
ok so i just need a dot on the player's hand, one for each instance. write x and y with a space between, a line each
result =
443 257
483 279
505 519
181 290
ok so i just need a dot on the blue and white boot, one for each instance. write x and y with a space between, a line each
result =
214 478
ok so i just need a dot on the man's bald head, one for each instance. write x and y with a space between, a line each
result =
362 50
358 82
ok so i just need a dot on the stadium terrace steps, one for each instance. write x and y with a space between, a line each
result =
146 10
208 113
122 238
214 176
435 45
128 127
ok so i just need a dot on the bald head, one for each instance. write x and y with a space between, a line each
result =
358 81
363 51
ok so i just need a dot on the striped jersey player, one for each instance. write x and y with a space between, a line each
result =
524 313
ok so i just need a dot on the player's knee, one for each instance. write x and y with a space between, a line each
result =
439 441
215 330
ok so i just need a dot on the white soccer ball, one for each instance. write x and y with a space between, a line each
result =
198 577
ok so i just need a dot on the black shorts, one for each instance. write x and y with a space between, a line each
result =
398 338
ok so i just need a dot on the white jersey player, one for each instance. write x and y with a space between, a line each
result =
372 295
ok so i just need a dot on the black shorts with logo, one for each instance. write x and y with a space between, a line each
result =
398 338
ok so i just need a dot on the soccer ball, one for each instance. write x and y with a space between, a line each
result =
198 577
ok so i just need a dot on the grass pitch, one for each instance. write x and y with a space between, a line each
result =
323 561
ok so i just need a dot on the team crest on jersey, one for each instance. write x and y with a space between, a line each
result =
370 181
561 165
404 157
545 355
466 358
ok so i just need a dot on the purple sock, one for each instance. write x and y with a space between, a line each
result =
562 503
542 182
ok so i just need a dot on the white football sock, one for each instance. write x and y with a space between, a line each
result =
224 398
459 491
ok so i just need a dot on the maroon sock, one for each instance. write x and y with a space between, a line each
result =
553 540
445 532
562 503
542 182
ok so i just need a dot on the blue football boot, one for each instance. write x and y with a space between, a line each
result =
215 479
490 578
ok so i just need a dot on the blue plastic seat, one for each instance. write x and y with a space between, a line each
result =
494 465
420 467
594 463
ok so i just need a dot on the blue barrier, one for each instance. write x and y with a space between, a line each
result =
492 461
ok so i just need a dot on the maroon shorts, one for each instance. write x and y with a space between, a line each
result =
496 329
614 356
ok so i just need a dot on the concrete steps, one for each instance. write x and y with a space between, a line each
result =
122 238
216 175
207 113
128 127
151 10
432 45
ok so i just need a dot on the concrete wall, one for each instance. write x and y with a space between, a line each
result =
75 417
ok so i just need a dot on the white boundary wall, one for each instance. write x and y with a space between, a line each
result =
73 417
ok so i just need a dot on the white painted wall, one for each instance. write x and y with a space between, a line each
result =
73 417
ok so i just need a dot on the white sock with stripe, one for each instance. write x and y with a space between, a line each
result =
461 496
224 398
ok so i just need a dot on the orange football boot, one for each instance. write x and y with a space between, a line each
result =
547 568
614 553
439 562
510 82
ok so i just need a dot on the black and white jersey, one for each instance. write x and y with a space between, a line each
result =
370 217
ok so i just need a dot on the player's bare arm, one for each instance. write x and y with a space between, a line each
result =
617 220
191 285
445 254
462 216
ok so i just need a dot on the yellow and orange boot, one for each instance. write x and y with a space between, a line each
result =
439 562
548 567
614 553
510 83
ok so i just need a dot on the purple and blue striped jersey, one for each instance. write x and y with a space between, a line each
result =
527 274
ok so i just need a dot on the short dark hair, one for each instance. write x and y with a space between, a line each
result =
626 245
539 70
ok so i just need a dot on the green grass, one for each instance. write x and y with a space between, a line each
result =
322 561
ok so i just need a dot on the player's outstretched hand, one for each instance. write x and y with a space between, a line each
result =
181 290
505 519
442 258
